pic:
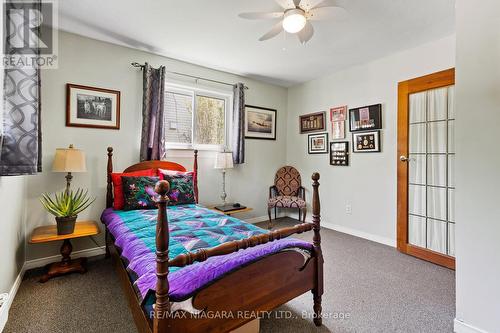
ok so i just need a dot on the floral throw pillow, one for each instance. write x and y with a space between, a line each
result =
139 192
181 188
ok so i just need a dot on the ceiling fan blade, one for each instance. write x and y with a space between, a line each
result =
260 15
286 4
306 33
307 5
327 3
327 13
275 31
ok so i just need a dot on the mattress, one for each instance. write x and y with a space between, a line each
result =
191 227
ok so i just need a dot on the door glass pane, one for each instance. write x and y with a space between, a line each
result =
417 169
436 236
417 230
437 104
436 203
431 170
451 239
436 166
416 199
437 137
451 136
417 138
418 107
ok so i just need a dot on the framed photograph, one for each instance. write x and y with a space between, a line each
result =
338 130
338 113
312 122
339 153
366 142
260 123
92 107
318 143
365 118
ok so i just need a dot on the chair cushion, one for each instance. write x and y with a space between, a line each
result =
286 201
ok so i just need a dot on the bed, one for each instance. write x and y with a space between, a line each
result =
190 269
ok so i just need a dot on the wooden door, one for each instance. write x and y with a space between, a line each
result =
426 117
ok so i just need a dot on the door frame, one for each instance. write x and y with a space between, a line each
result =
405 88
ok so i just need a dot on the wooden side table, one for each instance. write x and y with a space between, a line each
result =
67 265
236 211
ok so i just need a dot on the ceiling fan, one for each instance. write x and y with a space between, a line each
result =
296 17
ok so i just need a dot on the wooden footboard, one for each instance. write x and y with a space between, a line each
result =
239 296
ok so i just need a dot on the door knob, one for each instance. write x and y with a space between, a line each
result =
403 158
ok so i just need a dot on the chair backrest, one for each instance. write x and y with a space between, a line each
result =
287 181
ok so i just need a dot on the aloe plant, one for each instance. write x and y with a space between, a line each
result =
66 204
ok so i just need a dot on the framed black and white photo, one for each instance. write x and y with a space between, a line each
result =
260 123
366 142
365 118
317 143
92 107
339 153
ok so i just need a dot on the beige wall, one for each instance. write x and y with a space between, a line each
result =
12 215
90 62
368 185
477 170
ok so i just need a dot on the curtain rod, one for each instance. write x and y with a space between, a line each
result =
138 65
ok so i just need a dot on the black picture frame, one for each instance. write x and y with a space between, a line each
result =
372 118
313 150
339 153
260 112
371 137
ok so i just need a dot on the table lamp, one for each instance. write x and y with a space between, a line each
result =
224 161
69 160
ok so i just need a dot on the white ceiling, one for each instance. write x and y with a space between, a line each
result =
210 33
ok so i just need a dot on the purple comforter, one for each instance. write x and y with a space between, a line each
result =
191 227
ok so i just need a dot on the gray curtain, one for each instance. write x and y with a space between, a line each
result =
152 137
238 144
20 133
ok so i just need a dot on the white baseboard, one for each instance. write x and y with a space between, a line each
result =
40 262
4 310
352 232
461 327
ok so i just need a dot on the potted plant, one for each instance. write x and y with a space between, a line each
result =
65 207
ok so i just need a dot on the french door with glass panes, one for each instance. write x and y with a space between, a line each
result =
426 155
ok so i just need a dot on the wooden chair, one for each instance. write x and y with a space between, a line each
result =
287 192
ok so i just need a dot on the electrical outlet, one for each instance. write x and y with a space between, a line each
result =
348 209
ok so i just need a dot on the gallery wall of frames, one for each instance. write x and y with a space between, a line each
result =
365 125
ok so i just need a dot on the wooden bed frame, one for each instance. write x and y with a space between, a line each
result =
238 297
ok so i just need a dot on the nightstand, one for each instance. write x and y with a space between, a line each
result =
67 265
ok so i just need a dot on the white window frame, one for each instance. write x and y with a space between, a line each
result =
196 90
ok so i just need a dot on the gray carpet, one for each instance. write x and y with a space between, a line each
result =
368 288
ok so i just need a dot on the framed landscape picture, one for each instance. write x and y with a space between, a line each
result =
339 153
260 123
313 122
317 143
92 107
365 118
366 142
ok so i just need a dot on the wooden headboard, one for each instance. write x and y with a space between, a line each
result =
149 165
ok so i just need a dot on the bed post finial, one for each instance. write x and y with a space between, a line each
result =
162 305
316 219
109 193
195 180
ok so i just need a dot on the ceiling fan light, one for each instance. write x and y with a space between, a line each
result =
294 21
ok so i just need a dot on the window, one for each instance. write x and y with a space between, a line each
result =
196 118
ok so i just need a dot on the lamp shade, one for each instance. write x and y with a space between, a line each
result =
69 160
224 160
